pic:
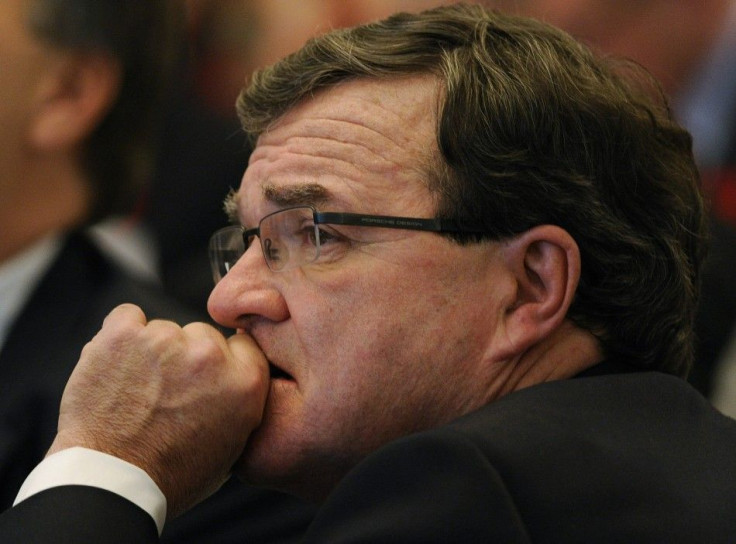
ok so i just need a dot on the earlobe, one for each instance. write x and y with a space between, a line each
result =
545 262
71 100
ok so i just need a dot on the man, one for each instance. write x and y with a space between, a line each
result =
469 262
82 85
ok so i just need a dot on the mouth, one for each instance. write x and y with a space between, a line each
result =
277 373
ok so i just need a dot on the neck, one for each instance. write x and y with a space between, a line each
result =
33 206
565 353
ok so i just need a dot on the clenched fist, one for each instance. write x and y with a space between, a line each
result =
179 402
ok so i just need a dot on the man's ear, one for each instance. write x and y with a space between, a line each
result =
545 263
72 99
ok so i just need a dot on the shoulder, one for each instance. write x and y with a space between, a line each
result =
422 488
557 461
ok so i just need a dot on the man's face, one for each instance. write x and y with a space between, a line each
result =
386 336
22 61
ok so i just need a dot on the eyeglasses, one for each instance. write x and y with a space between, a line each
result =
291 238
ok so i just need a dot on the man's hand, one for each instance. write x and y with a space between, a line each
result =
177 402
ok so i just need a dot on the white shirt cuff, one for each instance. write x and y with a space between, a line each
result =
82 466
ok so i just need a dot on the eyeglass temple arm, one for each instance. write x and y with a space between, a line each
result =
385 221
247 233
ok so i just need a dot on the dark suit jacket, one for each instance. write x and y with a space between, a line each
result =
64 312
626 457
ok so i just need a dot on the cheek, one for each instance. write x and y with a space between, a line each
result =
353 332
379 316
391 342
383 355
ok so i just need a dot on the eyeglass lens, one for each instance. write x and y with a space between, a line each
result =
289 238
226 247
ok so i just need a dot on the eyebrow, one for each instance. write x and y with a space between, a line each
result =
306 194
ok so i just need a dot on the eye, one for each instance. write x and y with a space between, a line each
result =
270 251
311 235
333 245
326 237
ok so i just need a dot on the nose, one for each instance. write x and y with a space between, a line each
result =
246 292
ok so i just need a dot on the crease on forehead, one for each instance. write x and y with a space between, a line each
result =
337 141
377 118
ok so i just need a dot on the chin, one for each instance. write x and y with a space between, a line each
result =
266 461
308 477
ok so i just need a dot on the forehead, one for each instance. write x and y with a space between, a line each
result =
362 145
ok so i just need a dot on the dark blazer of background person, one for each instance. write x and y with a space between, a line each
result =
568 461
43 345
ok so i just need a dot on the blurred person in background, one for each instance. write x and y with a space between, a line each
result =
690 46
82 87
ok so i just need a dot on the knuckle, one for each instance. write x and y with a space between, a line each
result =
114 335
209 350
205 357
162 338
197 328
207 343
